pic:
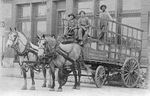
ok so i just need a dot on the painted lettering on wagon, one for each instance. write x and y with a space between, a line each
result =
94 54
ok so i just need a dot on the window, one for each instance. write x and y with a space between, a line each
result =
85 6
134 22
26 29
41 27
131 4
26 11
41 10
61 16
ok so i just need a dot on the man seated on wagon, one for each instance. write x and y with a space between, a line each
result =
103 23
71 28
83 24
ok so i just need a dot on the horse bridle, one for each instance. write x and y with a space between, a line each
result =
14 39
14 45
44 48
41 47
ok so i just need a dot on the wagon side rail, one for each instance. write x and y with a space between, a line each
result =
120 41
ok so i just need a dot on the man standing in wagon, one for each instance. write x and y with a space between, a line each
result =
103 23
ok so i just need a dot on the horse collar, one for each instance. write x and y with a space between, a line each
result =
25 50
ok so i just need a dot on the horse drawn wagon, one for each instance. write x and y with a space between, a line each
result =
114 55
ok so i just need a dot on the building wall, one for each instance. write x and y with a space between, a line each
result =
6 17
144 26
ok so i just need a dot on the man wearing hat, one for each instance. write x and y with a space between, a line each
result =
104 16
71 24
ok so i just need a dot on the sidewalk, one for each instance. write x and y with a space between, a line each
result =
15 71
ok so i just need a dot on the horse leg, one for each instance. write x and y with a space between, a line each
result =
50 78
79 75
52 72
32 77
24 87
60 78
44 74
75 76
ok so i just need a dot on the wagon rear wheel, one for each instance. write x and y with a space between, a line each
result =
100 76
130 72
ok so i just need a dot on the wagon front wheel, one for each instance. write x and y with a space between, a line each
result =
100 76
130 72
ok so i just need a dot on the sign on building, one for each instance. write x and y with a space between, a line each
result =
2 24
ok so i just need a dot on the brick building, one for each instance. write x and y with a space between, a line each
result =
45 16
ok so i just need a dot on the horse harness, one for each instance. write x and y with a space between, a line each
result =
58 50
28 48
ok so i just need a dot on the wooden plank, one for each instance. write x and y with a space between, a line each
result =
94 54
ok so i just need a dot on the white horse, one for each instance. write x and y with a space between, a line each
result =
26 52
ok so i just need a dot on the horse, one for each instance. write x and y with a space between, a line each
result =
26 51
62 56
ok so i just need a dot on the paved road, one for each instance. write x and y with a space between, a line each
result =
10 86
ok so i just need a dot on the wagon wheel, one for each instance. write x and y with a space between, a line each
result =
130 72
100 76
64 78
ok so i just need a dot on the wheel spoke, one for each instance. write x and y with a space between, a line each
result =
133 78
125 78
126 74
129 64
127 68
136 66
127 81
133 63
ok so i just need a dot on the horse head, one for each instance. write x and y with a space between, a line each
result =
41 46
45 45
12 38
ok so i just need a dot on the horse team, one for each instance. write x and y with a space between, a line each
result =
59 56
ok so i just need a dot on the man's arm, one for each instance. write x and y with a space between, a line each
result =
88 22
109 15
79 23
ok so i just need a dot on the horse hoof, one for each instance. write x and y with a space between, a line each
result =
44 85
59 90
74 87
24 88
52 89
32 88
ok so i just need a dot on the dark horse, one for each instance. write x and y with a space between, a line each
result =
62 56
26 52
